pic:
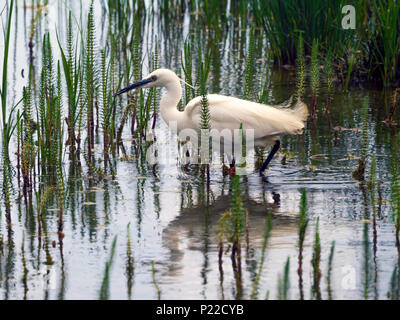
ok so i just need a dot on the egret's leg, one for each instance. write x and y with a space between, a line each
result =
231 160
270 156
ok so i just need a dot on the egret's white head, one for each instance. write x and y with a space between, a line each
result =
158 78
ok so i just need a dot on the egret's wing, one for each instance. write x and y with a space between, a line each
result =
229 112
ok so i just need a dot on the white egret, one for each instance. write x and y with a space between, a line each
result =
268 122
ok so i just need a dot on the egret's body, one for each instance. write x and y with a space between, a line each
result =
268 122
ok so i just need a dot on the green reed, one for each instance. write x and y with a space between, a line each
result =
130 263
351 62
72 70
250 63
395 101
155 101
284 282
153 272
300 66
314 76
50 132
383 38
329 78
263 96
302 228
316 260
104 292
90 78
377 30
394 288
106 107
329 273
359 172
187 67
267 234
8 124
395 190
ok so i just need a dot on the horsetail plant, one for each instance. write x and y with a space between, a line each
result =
155 91
329 75
314 76
249 65
316 260
205 116
7 122
300 65
284 282
302 228
359 172
71 68
267 234
329 273
395 99
105 285
186 63
90 78
153 272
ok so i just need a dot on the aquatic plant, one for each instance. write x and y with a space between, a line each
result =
153 271
72 71
359 172
130 263
394 288
316 260
300 66
395 192
104 293
314 76
378 29
329 272
284 282
267 234
8 124
329 76
155 91
395 99
186 64
302 228
263 96
90 78
250 61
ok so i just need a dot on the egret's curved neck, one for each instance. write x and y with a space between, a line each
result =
169 102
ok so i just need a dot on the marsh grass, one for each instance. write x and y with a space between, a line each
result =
315 262
395 101
359 172
302 228
250 61
8 125
153 271
329 78
130 263
377 31
314 76
284 282
104 293
329 272
267 234
300 66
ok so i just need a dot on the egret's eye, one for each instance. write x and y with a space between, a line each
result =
153 78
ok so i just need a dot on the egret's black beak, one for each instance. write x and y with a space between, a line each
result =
134 86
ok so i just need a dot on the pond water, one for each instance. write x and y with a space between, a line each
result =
166 222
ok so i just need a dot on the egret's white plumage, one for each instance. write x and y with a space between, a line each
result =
268 122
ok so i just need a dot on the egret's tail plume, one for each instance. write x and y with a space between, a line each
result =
300 110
